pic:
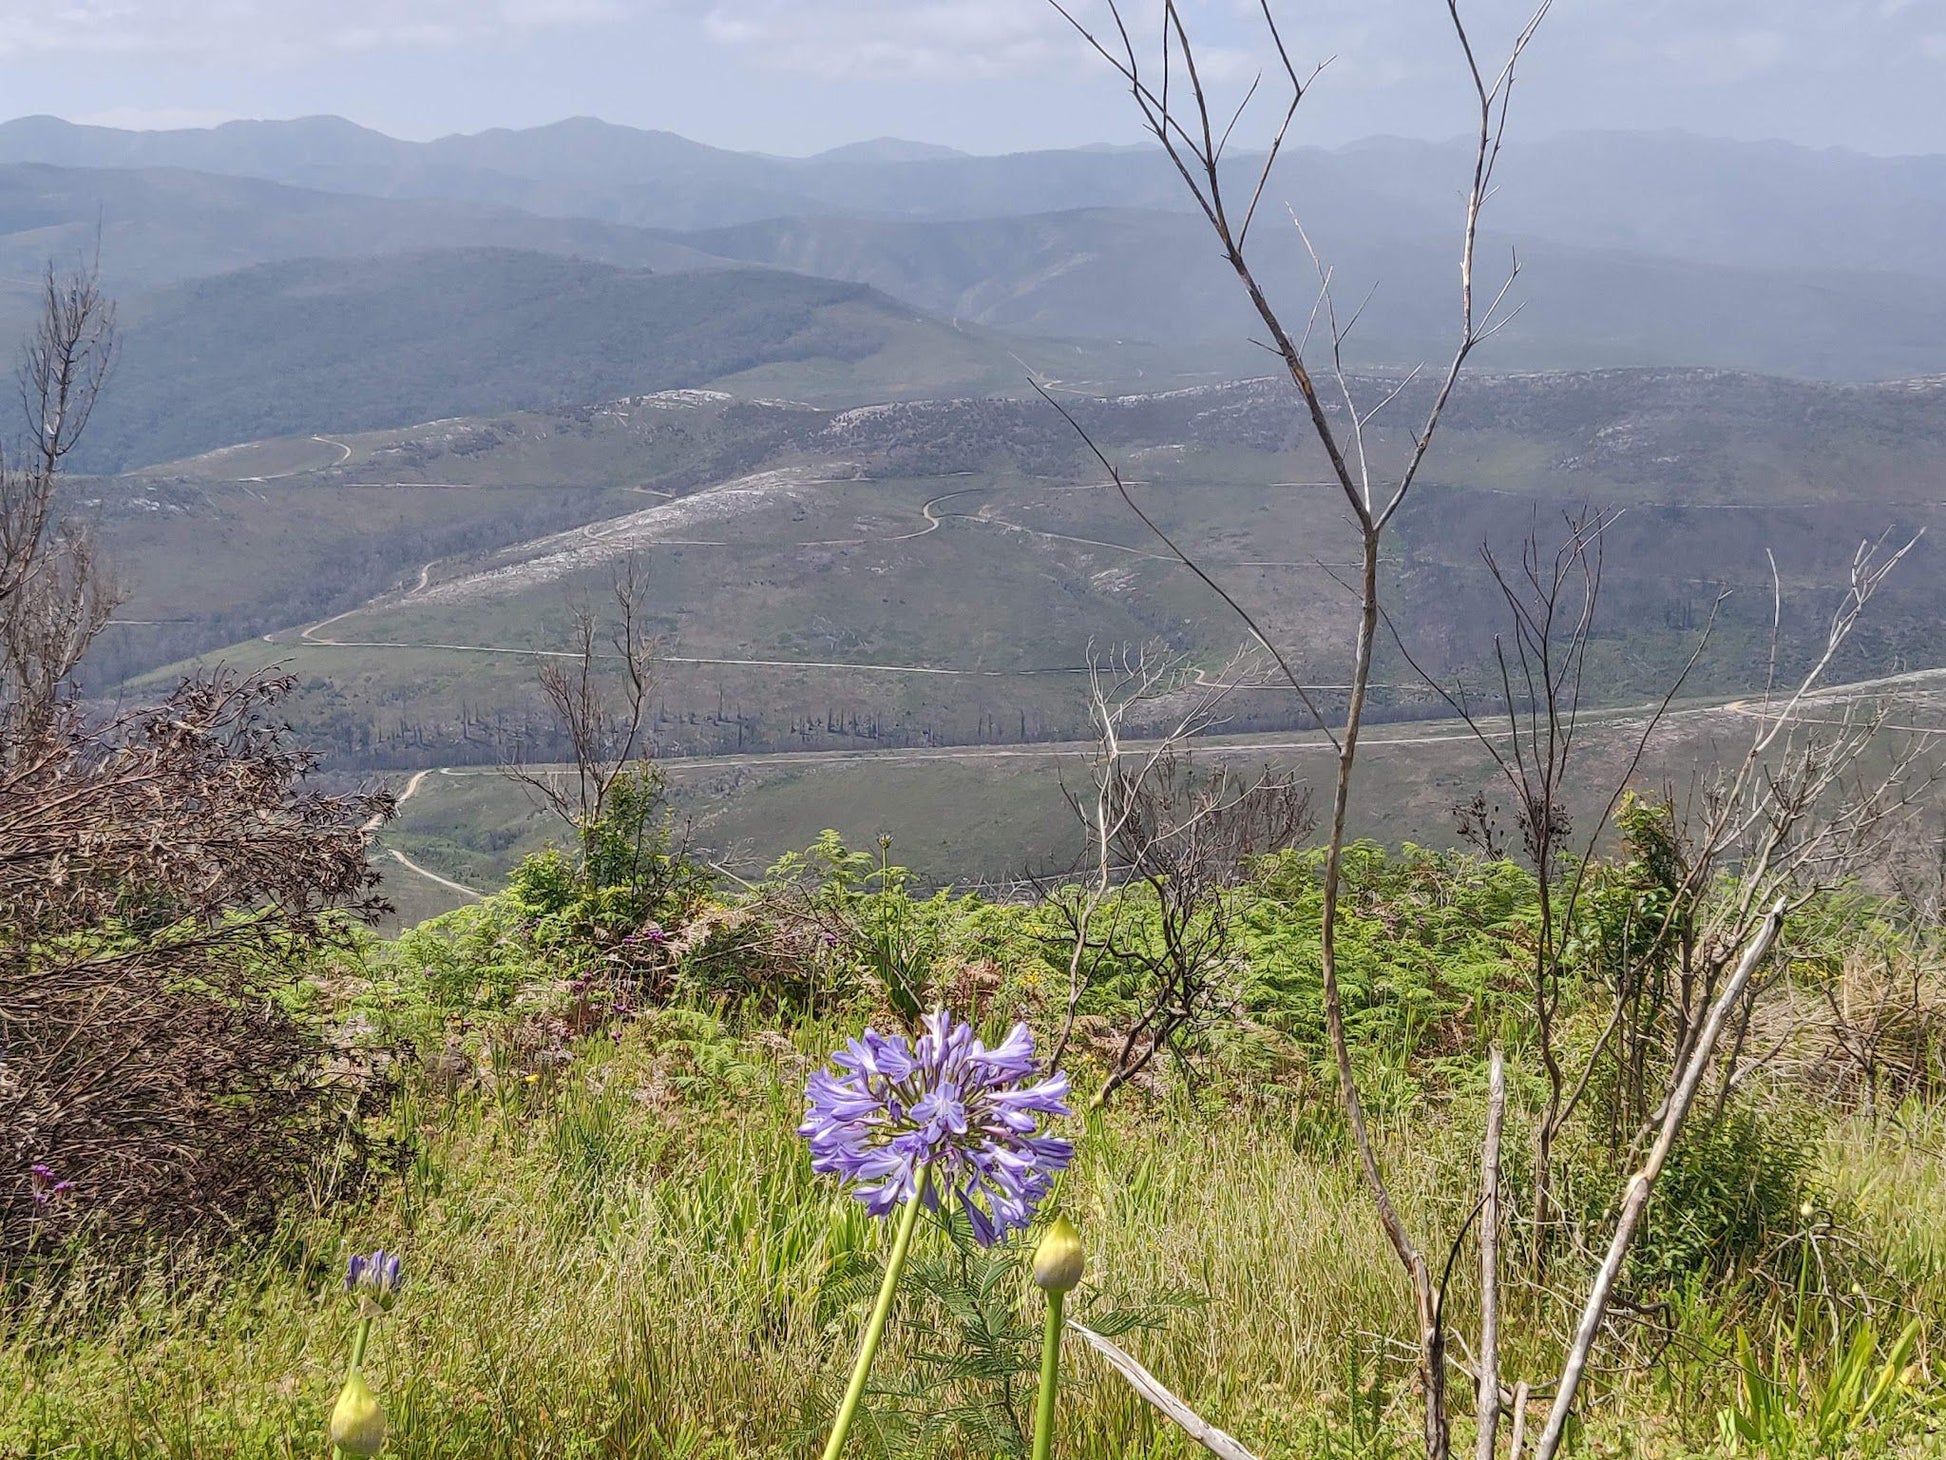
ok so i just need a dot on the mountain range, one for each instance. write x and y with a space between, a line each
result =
255 254
382 408
1760 204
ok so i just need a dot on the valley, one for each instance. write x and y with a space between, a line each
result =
1264 777
907 595
477 378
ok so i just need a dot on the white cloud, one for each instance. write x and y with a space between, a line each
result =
904 39
274 31
154 119
1715 57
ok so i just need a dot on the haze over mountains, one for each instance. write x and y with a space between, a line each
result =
1635 250
412 396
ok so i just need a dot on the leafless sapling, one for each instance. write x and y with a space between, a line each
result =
1169 839
1178 110
55 590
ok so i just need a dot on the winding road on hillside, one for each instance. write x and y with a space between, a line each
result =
372 827
929 511
298 471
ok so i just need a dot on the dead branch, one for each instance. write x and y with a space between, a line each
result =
1184 130
1642 1184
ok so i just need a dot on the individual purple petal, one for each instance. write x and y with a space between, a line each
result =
1012 1057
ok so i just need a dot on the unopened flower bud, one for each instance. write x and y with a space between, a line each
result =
358 1420
1058 1261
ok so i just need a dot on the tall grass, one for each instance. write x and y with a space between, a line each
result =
632 1258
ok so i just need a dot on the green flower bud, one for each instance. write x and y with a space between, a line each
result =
1057 1261
358 1420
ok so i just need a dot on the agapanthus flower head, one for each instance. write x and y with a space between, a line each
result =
890 1108
376 1277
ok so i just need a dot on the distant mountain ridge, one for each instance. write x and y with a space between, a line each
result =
1152 274
517 269
1735 204
159 225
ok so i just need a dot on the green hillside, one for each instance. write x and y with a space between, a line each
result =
296 347
934 572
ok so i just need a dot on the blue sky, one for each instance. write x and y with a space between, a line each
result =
795 76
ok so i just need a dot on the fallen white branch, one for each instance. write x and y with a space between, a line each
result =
1151 1388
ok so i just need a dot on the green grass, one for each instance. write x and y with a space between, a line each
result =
631 1257
617 1247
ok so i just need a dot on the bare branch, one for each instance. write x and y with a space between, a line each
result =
1642 1184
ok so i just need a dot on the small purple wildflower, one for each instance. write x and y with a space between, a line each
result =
890 1108
47 1187
376 1277
652 933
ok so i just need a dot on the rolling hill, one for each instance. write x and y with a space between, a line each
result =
1154 275
934 572
345 311
158 226
346 345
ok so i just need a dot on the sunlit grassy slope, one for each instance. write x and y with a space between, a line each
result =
631 1257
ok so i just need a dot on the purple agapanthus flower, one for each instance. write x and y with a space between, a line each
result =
376 1277
890 1107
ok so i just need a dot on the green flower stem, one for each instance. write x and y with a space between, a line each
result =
358 1342
1050 1379
875 1325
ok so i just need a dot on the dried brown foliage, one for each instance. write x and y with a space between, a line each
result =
160 876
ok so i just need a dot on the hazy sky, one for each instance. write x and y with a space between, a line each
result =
795 76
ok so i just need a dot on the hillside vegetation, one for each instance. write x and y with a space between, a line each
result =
934 573
592 1137
348 346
